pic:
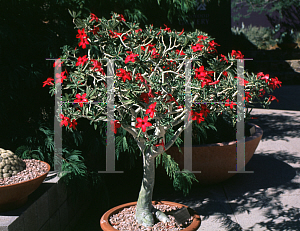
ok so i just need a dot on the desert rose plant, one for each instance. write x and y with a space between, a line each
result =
149 83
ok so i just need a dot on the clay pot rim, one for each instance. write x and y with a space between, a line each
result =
12 185
258 133
105 225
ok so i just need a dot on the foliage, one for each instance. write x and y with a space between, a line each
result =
262 37
259 6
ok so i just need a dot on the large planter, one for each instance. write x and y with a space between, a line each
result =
15 195
215 160
287 46
105 225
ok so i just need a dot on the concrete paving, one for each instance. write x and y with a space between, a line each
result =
269 198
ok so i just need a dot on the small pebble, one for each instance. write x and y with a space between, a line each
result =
125 220
33 169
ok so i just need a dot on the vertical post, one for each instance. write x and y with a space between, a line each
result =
58 111
240 134
188 149
110 138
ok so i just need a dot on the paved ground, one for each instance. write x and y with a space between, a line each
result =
268 199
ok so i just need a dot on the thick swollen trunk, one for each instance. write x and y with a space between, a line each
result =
144 209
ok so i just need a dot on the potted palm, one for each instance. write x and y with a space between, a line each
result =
157 75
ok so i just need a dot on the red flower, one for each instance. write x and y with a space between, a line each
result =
81 34
201 37
93 17
83 43
115 125
172 99
237 54
60 77
242 81
201 73
181 32
167 28
225 73
212 46
140 77
197 47
274 82
262 92
150 47
138 30
144 97
213 83
247 96
143 123
123 74
161 144
178 52
81 60
265 77
80 99
231 104
64 120
95 30
130 58
48 82
204 110
121 18
272 97
158 93
223 58
73 124
151 110
197 116
97 66
57 63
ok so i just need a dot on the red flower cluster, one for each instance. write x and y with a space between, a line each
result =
81 60
80 99
130 58
212 47
205 76
123 74
223 58
236 54
66 121
83 38
97 66
197 47
93 17
272 82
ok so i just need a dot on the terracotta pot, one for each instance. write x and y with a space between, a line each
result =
105 225
287 46
15 195
215 160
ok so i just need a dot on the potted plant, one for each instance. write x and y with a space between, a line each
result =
287 39
18 179
153 68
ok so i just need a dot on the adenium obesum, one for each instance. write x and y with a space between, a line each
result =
149 86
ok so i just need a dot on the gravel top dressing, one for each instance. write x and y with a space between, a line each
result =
33 169
125 221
